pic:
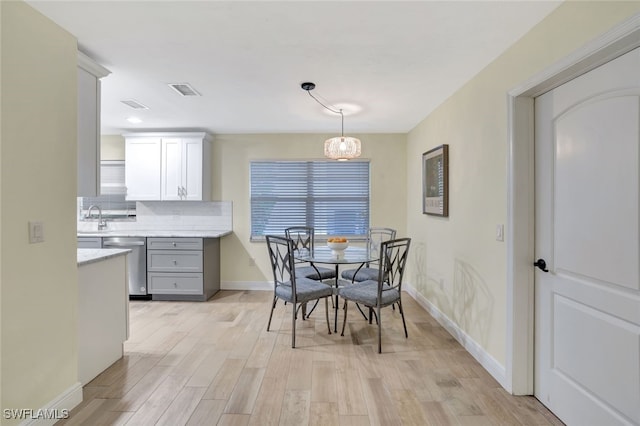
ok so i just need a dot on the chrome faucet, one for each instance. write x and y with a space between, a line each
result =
102 224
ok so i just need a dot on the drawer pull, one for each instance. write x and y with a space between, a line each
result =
175 262
175 285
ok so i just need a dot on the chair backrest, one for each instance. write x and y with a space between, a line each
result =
393 258
282 262
301 236
379 235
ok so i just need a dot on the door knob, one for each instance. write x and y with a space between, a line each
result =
540 263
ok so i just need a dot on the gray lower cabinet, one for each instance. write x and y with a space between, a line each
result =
89 242
183 268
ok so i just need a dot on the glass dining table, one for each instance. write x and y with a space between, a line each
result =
350 256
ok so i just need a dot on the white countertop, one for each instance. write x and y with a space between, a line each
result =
193 233
86 256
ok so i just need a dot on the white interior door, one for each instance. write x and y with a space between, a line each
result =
587 327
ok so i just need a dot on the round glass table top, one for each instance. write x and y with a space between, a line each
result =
324 254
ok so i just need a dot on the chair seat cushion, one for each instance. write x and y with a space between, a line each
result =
363 274
366 292
311 273
307 289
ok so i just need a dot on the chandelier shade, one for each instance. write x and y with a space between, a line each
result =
342 148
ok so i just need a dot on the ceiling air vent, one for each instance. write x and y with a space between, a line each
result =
134 104
184 89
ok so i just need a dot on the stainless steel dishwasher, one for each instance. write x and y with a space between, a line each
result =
136 261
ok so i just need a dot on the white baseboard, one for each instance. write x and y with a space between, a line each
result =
60 405
489 363
246 285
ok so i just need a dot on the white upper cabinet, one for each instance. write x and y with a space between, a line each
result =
89 75
168 166
142 168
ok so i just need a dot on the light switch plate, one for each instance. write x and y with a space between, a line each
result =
36 232
499 232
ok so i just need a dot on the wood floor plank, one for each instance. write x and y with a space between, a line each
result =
323 382
207 412
112 418
268 405
323 414
131 377
81 416
233 420
381 409
179 351
349 393
138 394
279 361
208 369
243 397
437 415
296 406
214 363
299 374
261 353
485 398
354 421
181 408
161 398
224 382
409 408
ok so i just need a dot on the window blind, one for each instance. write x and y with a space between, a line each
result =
330 196
112 192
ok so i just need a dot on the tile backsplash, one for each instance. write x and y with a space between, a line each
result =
174 215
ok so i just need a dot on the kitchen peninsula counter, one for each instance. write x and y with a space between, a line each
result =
86 256
103 309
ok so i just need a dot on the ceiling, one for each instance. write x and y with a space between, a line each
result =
387 64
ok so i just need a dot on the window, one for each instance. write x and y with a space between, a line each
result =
112 193
330 196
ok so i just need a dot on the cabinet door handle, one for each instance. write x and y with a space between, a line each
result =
184 192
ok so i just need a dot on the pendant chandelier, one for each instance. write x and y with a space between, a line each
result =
341 148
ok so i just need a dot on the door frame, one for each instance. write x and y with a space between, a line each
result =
521 192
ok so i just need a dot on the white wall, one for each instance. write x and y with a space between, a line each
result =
38 282
457 265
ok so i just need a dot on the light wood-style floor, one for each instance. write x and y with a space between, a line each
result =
214 363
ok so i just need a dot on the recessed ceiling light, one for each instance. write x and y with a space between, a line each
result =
134 120
184 89
134 104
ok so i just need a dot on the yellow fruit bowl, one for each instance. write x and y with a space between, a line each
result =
337 245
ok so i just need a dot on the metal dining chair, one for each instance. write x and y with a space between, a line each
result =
386 289
289 288
375 237
303 238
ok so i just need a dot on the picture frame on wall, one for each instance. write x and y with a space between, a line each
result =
435 181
